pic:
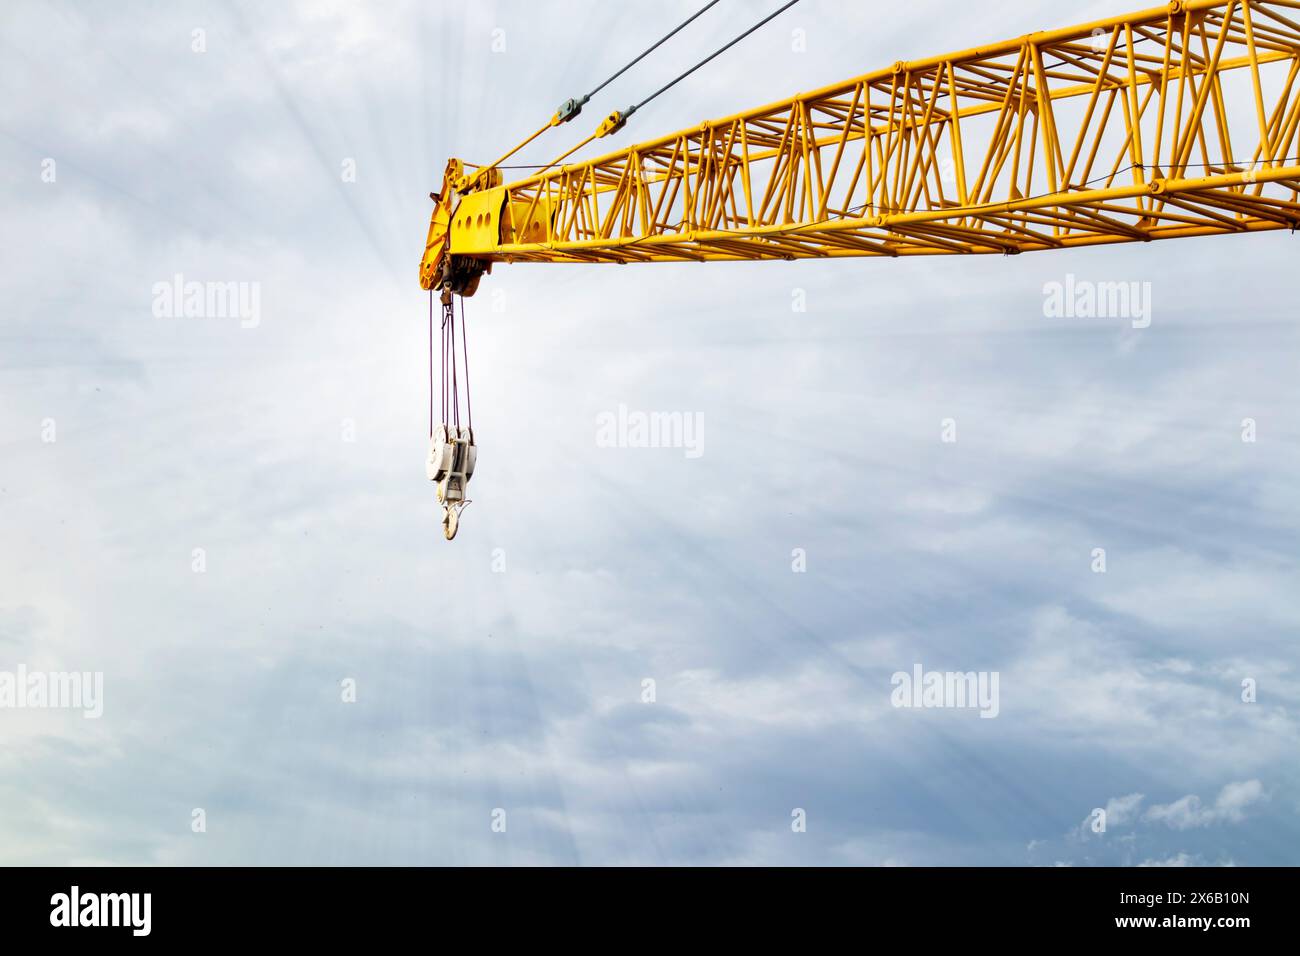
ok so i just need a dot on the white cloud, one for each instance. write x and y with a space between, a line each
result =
1122 810
1229 807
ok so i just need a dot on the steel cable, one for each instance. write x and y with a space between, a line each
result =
583 100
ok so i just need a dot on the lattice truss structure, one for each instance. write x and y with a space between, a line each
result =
1178 121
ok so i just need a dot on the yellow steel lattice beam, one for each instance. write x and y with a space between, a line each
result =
1176 121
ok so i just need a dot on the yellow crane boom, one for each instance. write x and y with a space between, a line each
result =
1182 120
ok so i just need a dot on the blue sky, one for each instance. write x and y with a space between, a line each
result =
505 670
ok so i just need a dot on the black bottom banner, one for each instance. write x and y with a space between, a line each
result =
368 905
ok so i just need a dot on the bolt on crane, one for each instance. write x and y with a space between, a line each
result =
1177 121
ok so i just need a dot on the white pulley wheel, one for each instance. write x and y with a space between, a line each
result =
471 453
441 452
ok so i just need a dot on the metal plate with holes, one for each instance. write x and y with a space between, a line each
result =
476 225
527 222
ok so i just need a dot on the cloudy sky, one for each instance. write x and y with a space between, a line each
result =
283 459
